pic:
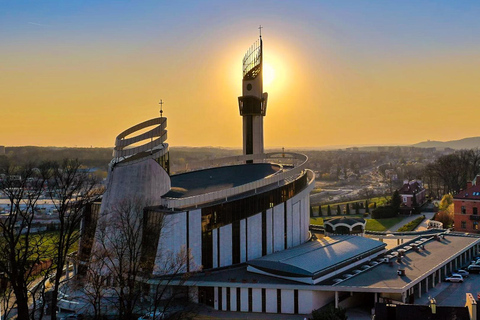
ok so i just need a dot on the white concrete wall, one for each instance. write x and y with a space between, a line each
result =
215 247
296 240
226 245
172 240
254 224
233 299
305 213
243 241
224 298
321 298
288 301
257 300
271 297
305 301
195 238
244 299
269 228
289 223
278 223
215 298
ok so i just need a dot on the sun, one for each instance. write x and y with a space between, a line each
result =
268 74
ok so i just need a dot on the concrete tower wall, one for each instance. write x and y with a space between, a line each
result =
144 179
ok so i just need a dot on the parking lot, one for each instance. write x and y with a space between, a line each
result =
453 294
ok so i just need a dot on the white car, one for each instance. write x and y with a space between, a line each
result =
454 278
463 273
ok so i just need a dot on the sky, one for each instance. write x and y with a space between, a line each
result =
77 73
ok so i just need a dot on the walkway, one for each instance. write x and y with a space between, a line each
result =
422 226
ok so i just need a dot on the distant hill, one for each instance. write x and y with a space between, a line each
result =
466 143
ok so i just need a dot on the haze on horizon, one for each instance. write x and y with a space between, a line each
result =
77 73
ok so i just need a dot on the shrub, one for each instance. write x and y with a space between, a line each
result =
384 212
329 313
412 224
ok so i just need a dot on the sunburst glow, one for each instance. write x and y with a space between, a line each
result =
268 74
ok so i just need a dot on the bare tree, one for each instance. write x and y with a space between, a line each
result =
24 255
118 240
71 189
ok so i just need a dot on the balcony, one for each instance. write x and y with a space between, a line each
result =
475 217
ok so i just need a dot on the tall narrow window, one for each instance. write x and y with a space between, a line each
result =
264 300
279 301
464 210
219 299
475 210
250 300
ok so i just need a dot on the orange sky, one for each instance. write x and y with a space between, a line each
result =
343 76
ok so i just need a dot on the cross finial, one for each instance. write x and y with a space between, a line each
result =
260 28
161 108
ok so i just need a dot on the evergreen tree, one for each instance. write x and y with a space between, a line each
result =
329 211
367 209
347 210
339 211
320 213
357 208
396 201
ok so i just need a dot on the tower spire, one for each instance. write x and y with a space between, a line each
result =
161 108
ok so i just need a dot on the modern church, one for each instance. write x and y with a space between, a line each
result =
243 223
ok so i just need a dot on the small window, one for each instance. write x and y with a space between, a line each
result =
464 210
475 210
464 225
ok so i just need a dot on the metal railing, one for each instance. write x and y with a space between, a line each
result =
194 201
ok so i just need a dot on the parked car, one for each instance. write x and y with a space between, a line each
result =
463 273
454 278
473 268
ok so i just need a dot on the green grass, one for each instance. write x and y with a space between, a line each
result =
372 224
382 224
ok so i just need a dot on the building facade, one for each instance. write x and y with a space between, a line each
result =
466 208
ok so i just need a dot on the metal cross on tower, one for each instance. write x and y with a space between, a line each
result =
161 108
260 28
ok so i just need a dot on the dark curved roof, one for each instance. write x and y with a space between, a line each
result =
215 179
348 221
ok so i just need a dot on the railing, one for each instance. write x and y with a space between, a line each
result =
252 186
252 59
158 132
474 217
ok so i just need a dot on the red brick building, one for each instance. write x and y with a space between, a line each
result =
412 189
466 206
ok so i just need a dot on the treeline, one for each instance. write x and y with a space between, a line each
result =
450 173
100 157
90 157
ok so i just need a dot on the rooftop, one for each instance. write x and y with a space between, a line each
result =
215 179
417 264
318 257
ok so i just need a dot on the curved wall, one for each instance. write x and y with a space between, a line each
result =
217 236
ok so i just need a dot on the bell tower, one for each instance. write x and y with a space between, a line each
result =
253 102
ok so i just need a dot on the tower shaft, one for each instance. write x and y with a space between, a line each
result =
253 102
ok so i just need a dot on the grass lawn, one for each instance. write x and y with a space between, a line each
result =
372 224
382 224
